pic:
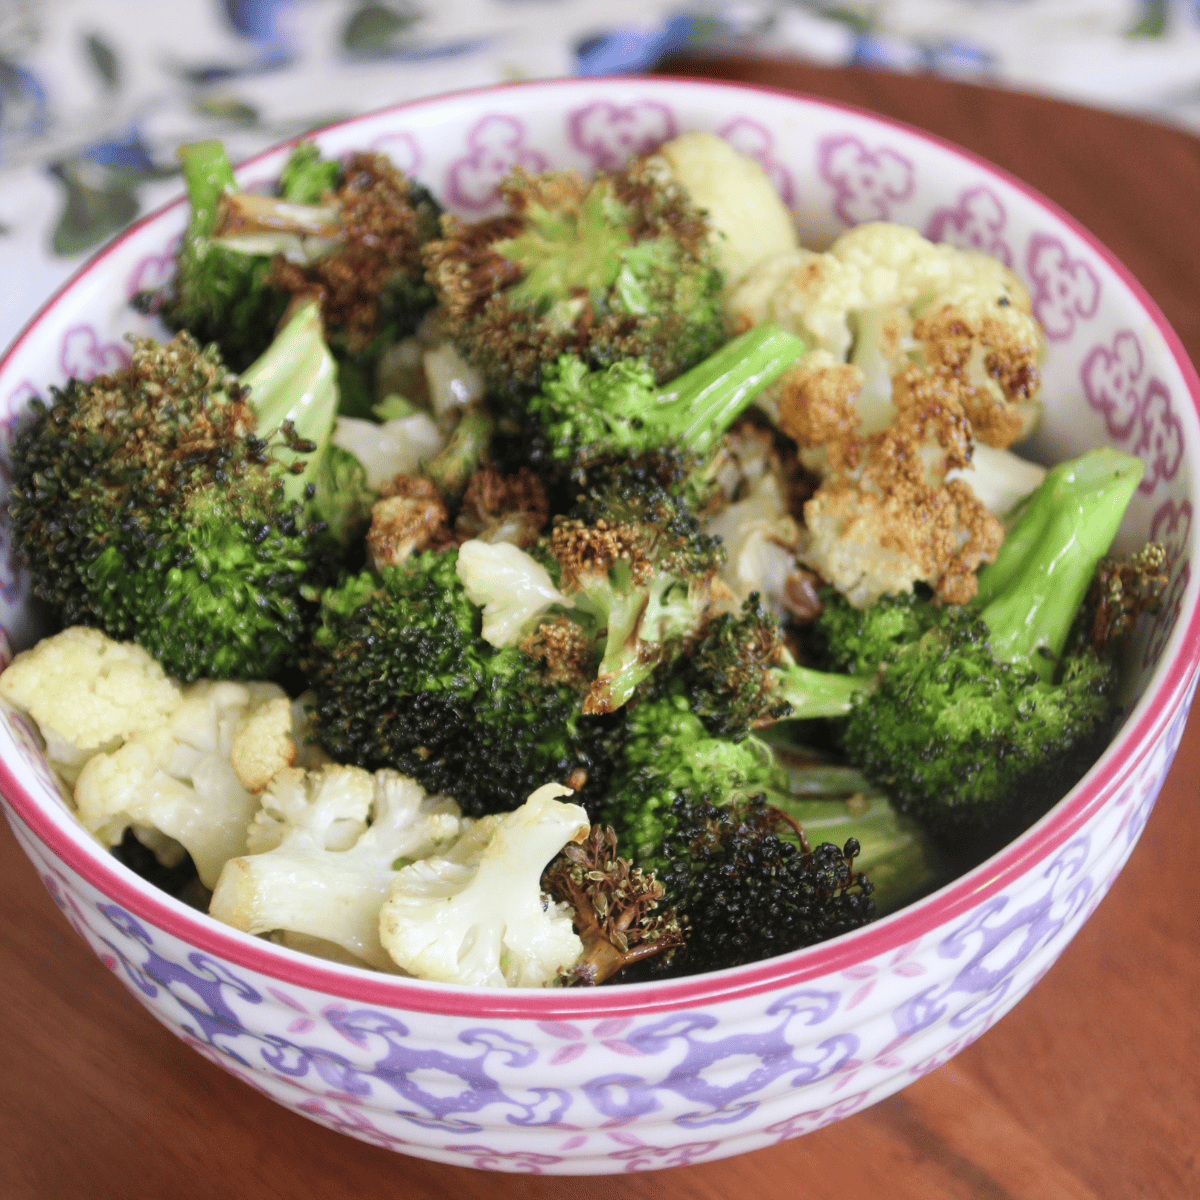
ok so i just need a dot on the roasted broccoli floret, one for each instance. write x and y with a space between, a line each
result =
667 755
744 890
638 571
217 294
589 415
989 715
167 503
620 913
350 235
403 678
618 268
741 676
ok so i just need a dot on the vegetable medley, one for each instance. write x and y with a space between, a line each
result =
608 590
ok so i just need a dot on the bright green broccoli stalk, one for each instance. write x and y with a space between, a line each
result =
638 571
217 294
403 679
618 412
166 503
618 268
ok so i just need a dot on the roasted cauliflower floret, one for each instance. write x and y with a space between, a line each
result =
749 220
884 299
477 914
178 779
322 853
88 693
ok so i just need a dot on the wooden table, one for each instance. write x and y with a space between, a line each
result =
1090 1088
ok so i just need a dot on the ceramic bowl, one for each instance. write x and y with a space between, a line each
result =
655 1075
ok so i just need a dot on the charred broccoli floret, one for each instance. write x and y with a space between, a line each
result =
618 268
403 679
620 914
589 415
637 569
217 294
741 676
349 235
169 503
743 889
666 755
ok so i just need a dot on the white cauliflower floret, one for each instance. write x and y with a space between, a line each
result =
884 299
999 478
397 447
179 780
760 538
477 915
88 693
322 854
749 220
511 587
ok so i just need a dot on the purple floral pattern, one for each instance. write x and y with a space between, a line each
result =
1065 289
976 222
1136 406
495 145
84 356
610 133
756 140
867 184
402 148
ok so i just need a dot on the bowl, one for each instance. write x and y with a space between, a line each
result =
652 1075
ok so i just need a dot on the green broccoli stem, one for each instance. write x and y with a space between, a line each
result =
295 380
451 468
896 856
1029 596
208 175
697 407
817 693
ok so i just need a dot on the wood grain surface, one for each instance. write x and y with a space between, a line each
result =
1090 1088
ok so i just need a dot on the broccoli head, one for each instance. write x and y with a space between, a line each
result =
349 235
616 412
744 888
666 755
619 911
619 268
990 713
403 678
168 503
217 294
638 570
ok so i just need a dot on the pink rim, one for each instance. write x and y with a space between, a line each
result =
1116 767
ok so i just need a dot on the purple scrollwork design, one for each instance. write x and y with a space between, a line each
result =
867 184
998 936
745 1062
82 355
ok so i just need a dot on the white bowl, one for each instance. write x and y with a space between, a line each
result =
652 1075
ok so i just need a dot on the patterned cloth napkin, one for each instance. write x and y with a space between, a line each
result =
96 94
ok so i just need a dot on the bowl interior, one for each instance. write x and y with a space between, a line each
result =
1116 375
